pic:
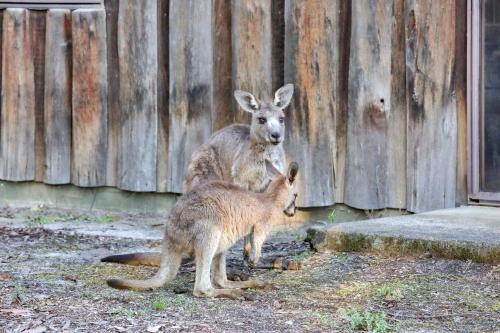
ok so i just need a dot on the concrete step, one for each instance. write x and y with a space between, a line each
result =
467 233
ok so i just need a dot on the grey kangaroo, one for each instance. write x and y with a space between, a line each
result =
236 154
208 220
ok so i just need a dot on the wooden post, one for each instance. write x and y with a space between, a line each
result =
17 155
89 97
57 101
138 64
431 105
191 84
37 35
375 171
163 98
311 63
252 50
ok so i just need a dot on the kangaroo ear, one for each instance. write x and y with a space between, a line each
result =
271 169
283 96
247 101
293 169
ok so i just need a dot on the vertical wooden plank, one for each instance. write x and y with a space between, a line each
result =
162 158
369 104
431 105
396 129
111 7
278 43
37 34
311 63
222 114
190 84
138 65
89 97
461 95
57 97
344 48
252 50
17 157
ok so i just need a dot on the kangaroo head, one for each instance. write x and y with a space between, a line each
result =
283 186
268 118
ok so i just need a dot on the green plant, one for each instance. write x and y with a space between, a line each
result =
36 220
159 304
332 216
127 312
390 292
373 322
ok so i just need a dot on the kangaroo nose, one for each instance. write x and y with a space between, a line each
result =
275 136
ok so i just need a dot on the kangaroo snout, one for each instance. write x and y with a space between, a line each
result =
275 138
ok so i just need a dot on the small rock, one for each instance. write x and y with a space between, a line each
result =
316 237
278 263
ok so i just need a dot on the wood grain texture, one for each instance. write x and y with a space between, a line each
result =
396 129
222 114
278 43
311 62
344 48
17 156
252 50
89 98
138 66
162 157
369 104
57 97
37 34
191 84
113 75
431 105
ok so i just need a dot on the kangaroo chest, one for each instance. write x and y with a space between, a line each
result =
249 170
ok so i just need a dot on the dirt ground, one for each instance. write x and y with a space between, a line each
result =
53 281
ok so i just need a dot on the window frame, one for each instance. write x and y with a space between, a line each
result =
475 102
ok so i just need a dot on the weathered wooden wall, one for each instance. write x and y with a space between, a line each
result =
121 96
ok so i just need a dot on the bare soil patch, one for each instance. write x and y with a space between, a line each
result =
53 281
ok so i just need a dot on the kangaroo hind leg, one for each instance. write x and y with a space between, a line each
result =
169 266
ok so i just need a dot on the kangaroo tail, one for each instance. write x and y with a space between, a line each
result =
136 259
167 272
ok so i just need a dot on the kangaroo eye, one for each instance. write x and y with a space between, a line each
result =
282 120
262 120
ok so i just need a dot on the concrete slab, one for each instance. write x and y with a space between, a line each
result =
471 232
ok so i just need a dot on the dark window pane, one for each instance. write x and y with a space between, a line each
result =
491 114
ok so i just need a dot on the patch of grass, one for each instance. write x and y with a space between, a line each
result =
159 304
390 291
342 256
324 319
127 312
302 256
36 220
332 216
354 289
367 321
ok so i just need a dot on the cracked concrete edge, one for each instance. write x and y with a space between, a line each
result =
324 238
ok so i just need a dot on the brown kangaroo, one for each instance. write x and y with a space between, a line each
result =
208 220
236 154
